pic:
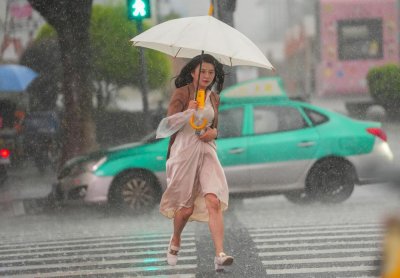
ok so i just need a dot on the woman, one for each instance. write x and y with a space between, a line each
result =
196 184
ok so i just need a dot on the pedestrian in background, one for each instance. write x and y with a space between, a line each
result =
196 185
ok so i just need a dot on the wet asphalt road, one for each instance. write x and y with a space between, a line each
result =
268 236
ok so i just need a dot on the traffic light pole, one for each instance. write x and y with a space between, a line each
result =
143 79
138 10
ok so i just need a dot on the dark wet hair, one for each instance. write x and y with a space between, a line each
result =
185 76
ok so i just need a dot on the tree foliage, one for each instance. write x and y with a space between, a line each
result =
70 19
114 59
44 58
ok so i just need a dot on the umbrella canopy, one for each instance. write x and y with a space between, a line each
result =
189 36
15 78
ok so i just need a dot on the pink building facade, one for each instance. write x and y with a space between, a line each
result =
353 36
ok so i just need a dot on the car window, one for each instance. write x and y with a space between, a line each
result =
230 123
149 138
316 117
269 119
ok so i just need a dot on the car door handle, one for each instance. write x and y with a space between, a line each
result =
306 144
236 150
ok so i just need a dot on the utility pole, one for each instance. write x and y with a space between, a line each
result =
223 10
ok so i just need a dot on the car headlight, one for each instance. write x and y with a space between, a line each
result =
91 165
100 162
80 168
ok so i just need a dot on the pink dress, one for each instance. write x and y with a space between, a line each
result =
193 170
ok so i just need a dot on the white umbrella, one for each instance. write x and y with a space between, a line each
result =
187 37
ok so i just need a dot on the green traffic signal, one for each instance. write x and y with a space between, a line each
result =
138 9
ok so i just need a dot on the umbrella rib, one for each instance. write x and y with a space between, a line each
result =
176 54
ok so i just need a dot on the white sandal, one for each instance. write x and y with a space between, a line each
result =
172 253
222 260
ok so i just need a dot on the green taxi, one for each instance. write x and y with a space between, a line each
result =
267 144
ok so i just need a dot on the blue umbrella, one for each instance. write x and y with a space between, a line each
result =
15 78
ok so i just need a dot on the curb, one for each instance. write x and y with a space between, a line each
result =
19 207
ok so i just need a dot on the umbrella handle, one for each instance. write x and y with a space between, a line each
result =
201 99
197 127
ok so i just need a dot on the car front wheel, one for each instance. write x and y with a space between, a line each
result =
331 181
299 197
135 191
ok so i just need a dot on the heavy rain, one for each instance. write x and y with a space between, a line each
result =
149 138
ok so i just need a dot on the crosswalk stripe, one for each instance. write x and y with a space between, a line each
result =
319 260
313 232
321 270
88 240
319 227
91 263
103 243
108 249
148 271
132 255
314 238
282 253
313 251
306 251
314 244
175 276
95 256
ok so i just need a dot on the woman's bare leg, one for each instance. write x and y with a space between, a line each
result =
216 222
180 220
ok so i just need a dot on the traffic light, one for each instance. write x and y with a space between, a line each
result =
138 9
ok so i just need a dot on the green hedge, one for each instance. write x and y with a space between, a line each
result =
384 87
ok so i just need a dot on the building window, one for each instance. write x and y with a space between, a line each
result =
360 39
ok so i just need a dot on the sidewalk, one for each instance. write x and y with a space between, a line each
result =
333 104
23 189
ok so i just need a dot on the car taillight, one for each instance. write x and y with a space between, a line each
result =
378 132
4 153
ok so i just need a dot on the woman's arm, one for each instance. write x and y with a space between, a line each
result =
176 103
180 102
209 134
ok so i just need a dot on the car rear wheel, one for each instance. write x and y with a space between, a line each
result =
135 191
331 181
